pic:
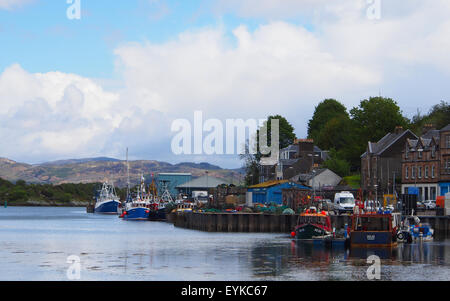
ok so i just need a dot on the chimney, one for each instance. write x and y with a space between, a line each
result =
398 129
427 127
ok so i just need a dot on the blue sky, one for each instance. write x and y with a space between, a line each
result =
41 38
121 75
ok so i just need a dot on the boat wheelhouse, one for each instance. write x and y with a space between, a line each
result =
312 224
374 229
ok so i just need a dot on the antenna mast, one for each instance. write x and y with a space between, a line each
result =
128 176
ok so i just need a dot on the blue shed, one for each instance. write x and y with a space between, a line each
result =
271 191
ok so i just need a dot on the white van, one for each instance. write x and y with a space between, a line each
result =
344 202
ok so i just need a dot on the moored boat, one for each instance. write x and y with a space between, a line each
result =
135 207
413 230
107 200
312 224
377 229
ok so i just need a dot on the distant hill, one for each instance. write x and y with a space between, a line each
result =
92 170
75 161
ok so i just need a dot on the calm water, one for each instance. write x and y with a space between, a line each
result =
35 244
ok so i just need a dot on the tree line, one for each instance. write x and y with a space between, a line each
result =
345 133
21 192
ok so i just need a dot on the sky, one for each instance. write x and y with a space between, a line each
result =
120 75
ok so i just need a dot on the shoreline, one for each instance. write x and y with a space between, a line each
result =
46 204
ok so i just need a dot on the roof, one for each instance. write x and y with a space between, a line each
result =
431 133
174 174
269 184
446 128
290 148
288 162
309 176
385 142
204 182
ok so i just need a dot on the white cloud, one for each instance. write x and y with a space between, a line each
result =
278 68
277 65
12 4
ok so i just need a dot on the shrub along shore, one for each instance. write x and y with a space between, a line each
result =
63 195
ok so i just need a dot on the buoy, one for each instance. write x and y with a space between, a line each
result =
293 234
147 211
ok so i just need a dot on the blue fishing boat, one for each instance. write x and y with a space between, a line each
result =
374 229
107 200
413 230
137 207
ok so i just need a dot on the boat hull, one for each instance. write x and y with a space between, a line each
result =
137 214
157 215
369 239
109 207
309 231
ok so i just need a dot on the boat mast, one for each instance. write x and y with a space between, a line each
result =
128 178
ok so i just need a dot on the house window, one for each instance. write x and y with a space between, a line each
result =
432 171
413 172
406 172
406 152
426 172
420 154
433 151
447 141
420 172
433 193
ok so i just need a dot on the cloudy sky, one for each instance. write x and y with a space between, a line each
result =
120 75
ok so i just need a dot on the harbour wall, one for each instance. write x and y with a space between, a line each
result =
272 223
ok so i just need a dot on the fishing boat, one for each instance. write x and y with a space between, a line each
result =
413 230
158 204
374 229
312 224
137 207
107 201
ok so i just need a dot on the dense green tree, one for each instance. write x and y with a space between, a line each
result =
335 133
325 111
337 164
438 116
376 117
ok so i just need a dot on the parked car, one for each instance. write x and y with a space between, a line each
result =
420 206
430 204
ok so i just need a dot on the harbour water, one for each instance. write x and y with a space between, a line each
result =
35 243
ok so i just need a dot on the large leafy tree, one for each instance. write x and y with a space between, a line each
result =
375 117
329 110
438 116
337 164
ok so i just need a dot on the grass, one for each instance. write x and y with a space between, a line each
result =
353 181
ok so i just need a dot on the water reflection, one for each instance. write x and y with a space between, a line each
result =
33 247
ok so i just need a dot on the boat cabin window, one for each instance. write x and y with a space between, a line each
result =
372 224
318 220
